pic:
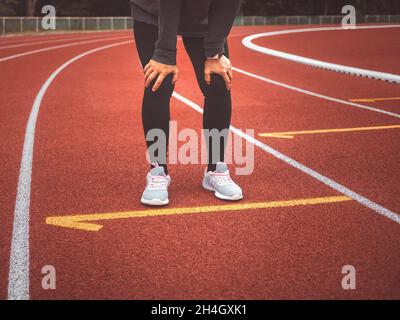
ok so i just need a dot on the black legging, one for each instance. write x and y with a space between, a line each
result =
155 107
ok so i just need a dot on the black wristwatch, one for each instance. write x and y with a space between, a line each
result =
216 57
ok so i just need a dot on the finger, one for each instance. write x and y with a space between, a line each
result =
150 78
146 67
148 72
230 74
159 81
227 82
175 78
146 76
207 77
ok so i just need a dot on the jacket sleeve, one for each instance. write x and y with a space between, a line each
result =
221 16
168 23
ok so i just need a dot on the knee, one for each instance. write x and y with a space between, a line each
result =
164 91
217 87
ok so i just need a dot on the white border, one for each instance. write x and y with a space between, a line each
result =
247 42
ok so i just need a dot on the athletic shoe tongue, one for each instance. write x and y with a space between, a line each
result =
221 167
157 171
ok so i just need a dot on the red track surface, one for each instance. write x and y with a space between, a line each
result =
89 157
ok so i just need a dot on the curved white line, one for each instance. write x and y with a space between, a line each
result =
316 175
18 283
32 43
33 37
23 54
247 42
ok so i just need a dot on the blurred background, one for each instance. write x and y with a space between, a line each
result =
99 8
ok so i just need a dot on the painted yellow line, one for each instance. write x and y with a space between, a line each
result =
374 99
291 134
84 221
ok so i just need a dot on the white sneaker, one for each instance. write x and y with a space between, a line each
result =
221 183
156 191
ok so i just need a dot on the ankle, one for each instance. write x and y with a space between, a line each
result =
156 164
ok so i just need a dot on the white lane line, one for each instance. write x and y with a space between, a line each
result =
18 282
247 42
47 41
19 39
59 47
327 181
317 95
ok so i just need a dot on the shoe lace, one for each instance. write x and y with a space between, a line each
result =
157 182
223 179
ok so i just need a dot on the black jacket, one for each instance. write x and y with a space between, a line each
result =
209 19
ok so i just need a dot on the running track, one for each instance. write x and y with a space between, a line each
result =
88 158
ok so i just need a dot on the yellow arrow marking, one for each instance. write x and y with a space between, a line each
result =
374 99
291 134
83 222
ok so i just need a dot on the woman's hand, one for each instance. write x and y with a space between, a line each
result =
222 67
156 70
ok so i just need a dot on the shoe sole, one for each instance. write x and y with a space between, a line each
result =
154 202
221 196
